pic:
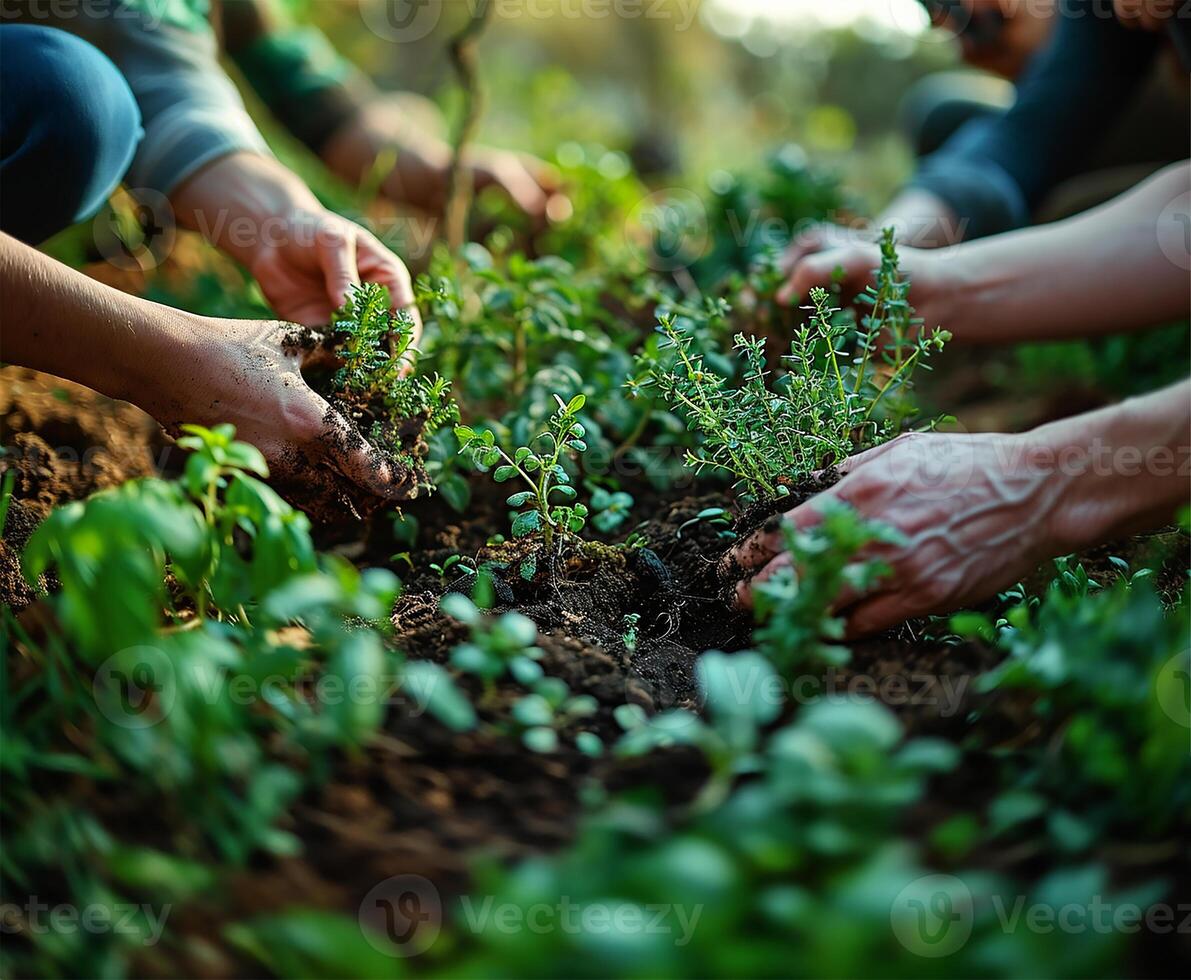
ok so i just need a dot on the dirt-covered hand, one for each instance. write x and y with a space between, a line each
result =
972 513
249 373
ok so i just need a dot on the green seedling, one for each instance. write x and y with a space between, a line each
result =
794 605
539 466
550 707
457 562
498 645
741 697
628 634
375 379
715 517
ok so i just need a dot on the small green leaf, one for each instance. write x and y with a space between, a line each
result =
630 716
526 523
533 710
589 744
543 740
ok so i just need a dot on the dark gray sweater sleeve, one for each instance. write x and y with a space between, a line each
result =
996 171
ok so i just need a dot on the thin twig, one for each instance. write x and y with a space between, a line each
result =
460 185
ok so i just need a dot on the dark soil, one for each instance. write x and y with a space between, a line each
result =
65 442
422 800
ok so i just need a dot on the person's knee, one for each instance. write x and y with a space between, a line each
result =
71 126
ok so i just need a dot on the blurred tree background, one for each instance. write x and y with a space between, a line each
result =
686 86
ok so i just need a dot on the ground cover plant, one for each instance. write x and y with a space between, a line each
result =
514 727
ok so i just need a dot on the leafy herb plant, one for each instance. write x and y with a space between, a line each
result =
396 409
825 404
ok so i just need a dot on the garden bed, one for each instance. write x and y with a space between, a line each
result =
423 800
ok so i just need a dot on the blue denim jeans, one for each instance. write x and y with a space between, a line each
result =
68 129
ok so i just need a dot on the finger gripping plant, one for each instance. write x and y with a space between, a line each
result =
539 466
766 429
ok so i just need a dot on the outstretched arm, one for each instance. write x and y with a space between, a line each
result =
1114 269
181 368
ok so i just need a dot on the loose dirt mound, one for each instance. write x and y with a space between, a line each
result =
65 442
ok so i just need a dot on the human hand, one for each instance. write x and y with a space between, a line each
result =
306 270
304 256
249 373
420 170
974 514
934 276
822 237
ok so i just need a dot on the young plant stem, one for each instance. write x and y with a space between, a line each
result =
901 369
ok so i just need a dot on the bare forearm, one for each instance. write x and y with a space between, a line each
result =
56 320
240 201
1109 270
1126 468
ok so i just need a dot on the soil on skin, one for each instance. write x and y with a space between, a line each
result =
357 427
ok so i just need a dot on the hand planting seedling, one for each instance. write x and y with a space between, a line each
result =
374 385
539 466
767 432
